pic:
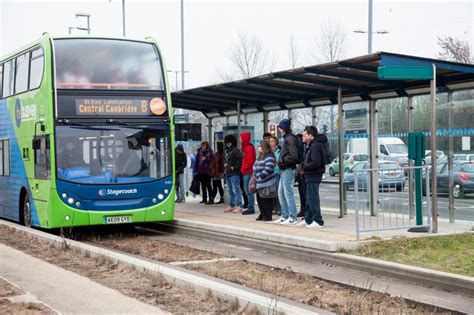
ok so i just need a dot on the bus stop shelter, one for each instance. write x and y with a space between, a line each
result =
368 78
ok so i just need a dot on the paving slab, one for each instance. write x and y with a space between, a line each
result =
65 291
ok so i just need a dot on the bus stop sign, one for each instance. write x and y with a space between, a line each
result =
405 72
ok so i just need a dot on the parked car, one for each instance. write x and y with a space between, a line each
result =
464 157
391 175
440 156
350 159
392 149
463 178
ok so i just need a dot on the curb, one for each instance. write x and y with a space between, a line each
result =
264 302
272 237
303 249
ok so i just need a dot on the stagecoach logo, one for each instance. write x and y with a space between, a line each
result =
24 113
117 192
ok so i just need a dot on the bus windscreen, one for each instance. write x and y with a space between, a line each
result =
106 64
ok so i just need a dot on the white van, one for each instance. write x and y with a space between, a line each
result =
393 149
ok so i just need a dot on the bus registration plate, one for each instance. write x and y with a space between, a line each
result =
122 219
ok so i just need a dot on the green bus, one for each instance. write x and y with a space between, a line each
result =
86 133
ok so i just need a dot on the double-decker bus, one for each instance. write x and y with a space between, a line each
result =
86 133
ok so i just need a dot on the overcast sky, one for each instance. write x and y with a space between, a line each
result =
211 27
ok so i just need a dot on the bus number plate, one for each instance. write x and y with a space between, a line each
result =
112 220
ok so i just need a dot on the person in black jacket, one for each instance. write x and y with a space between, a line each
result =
232 172
313 169
287 164
181 161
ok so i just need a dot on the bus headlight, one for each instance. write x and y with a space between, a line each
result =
160 196
64 195
154 200
70 201
166 191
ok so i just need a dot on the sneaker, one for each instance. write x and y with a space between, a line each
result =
229 209
237 210
302 224
315 225
210 202
289 222
247 212
279 221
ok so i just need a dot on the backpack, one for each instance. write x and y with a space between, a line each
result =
326 154
300 147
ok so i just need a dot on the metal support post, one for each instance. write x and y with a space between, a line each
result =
123 17
434 188
369 33
209 131
265 122
340 143
313 116
450 158
374 184
238 123
182 45
410 162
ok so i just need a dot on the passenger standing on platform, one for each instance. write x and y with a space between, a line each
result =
204 157
218 173
267 136
181 161
276 148
248 160
313 169
264 170
232 167
287 163
300 176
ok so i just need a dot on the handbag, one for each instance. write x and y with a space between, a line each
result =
268 192
195 186
253 184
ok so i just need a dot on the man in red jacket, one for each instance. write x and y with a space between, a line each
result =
249 157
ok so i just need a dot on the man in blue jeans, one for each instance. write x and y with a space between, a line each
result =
232 172
287 164
313 169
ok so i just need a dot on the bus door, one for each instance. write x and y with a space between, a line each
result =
41 184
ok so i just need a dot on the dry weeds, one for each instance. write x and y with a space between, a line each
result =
144 286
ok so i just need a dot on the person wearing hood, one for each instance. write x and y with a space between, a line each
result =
287 163
181 161
204 158
248 160
313 169
232 165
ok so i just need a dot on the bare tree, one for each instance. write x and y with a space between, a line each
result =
330 45
454 49
294 53
249 57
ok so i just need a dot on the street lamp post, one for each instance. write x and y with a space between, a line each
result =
359 31
123 16
88 28
176 72
182 45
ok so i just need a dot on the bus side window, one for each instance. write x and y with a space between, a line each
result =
8 76
5 157
1 80
42 157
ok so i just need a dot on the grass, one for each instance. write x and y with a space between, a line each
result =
451 253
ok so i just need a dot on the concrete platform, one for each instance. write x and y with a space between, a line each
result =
64 291
337 233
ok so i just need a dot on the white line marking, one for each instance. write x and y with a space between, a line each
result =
206 261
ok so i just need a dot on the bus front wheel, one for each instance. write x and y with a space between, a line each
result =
25 215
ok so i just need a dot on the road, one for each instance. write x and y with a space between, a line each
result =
393 201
